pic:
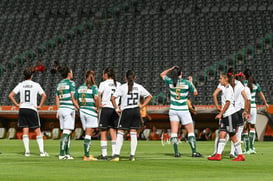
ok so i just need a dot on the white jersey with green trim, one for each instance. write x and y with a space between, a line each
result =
65 90
86 98
132 99
255 89
28 93
179 94
107 88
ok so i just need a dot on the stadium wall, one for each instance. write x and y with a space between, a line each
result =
204 118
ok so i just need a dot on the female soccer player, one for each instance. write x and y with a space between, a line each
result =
129 93
66 103
108 115
229 119
87 96
241 108
28 115
254 88
179 111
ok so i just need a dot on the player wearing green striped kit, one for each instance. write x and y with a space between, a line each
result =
87 96
179 111
66 103
254 87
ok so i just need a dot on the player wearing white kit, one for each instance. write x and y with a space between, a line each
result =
228 119
108 116
254 87
28 114
66 103
241 108
179 111
130 111
87 96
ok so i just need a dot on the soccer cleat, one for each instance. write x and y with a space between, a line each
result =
132 158
231 156
239 158
90 158
45 154
101 157
196 155
252 151
247 152
177 155
69 157
27 154
115 158
217 157
62 157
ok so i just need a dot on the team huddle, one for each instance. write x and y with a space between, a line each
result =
115 107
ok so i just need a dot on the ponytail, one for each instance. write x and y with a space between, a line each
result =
231 77
90 78
231 80
111 74
130 75
176 73
250 79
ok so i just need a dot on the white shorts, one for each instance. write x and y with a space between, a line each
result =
183 116
88 121
253 116
66 118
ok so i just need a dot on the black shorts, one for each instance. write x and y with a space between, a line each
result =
230 123
108 118
28 118
130 119
240 117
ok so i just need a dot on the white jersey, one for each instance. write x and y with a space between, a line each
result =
28 93
228 95
239 99
132 99
107 88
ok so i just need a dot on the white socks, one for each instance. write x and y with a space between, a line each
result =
26 143
103 145
133 142
40 142
114 143
119 142
221 146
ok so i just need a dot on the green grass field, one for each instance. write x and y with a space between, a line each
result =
153 162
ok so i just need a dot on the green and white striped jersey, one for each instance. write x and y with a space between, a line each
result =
65 88
256 89
179 94
86 99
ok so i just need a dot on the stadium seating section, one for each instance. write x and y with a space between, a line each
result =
204 37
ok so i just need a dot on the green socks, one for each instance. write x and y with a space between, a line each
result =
251 139
174 140
64 144
192 142
87 145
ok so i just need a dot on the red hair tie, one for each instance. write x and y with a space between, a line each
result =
239 74
230 74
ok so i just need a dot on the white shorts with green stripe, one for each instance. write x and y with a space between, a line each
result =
66 118
88 120
183 116
253 116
